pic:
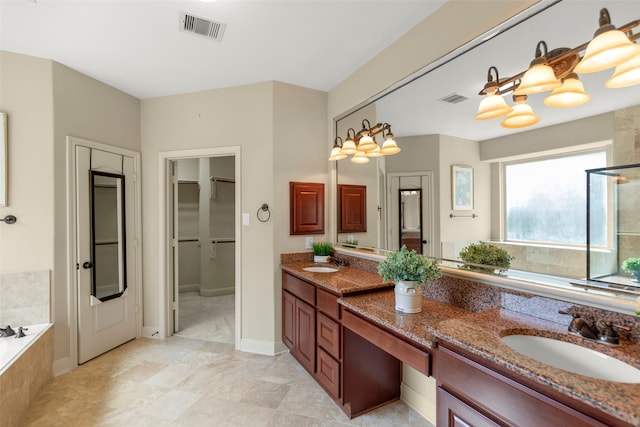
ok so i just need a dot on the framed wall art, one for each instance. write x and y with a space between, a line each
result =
461 188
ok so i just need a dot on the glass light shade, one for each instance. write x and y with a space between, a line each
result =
376 152
337 154
627 73
521 116
360 157
366 143
538 78
349 147
491 107
570 94
606 50
389 147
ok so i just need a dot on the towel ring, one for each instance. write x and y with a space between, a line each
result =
263 208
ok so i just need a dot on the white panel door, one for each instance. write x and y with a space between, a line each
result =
107 286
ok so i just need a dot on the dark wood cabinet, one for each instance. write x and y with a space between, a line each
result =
470 393
306 208
305 343
352 208
299 321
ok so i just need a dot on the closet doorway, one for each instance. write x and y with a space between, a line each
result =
203 240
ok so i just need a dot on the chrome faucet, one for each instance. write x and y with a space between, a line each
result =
7 332
340 262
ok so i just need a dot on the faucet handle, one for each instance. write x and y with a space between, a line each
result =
577 324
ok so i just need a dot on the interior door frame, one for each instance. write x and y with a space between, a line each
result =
72 277
164 248
426 225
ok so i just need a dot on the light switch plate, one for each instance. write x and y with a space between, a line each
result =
309 242
245 219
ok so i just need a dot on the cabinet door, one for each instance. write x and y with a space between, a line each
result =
352 208
306 205
452 412
328 334
288 323
305 334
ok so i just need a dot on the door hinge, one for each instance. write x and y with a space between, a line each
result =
175 305
77 266
174 242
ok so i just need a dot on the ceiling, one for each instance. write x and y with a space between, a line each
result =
135 46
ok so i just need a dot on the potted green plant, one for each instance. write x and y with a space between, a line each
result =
485 254
632 266
321 252
408 270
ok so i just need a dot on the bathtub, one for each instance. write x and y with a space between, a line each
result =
25 367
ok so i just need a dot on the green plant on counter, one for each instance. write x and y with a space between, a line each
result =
486 254
631 266
322 249
409 265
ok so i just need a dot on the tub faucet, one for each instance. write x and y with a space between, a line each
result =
7 332
20 332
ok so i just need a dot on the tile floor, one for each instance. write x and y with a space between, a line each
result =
197 379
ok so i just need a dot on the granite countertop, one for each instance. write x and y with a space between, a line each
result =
480 333
344 281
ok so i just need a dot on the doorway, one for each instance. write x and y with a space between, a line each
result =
201 254
205 221
411 212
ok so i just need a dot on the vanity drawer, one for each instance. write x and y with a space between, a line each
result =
328 303
303 290
328 373
328 335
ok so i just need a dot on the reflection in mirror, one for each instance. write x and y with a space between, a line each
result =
3 159
411 219
435 134
107 235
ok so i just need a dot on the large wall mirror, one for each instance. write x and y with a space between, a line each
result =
432 118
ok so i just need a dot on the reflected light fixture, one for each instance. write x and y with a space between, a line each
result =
363 144
609 47
627 73
540 76
389 146
493 104
360 157
522 114
336 151
570 94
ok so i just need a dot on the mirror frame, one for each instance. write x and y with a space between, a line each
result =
122 254
4 160
612 301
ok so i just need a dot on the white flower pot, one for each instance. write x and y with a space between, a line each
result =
408 297
321 258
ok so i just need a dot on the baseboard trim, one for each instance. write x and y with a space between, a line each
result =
268 348
62 366
193 287
217 292
418 403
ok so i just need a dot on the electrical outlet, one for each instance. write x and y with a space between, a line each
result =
350 238
309 242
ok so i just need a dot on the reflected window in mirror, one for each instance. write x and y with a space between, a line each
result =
108 235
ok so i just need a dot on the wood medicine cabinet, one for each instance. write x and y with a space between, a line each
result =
306 206
352 212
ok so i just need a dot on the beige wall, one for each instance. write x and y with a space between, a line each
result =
46 102
280 131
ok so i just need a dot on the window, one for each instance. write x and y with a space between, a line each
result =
545 199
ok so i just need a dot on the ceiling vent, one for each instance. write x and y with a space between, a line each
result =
204 27
454 98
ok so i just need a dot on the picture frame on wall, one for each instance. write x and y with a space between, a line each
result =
461 188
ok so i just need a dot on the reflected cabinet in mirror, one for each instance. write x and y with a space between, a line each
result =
108 235
529 183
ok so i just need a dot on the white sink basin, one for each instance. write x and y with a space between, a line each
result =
320 269
573 358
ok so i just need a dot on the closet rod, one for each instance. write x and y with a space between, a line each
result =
188 240
222 240
218 179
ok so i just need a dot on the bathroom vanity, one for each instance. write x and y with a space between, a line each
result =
347 334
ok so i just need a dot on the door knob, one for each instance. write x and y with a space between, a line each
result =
424 242
87 264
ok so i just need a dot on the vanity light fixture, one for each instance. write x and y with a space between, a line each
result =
493 105
609 48
363 144
570 94
540 76
522 114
